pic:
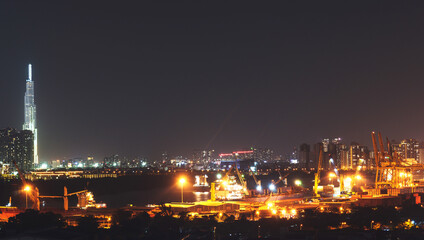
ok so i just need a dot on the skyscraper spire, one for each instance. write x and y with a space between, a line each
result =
29 72
30 111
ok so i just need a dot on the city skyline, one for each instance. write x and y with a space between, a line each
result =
273 76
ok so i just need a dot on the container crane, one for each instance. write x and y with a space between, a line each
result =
392 170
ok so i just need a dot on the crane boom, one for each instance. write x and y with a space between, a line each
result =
21 175
33 194
382 152
317 174
376 152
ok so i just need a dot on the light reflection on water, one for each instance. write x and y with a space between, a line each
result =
201 196
154 196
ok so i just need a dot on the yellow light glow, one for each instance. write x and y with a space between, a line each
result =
358 177
182 180
27 188
220 214
257 212
293 211
270 205
284 211
332 175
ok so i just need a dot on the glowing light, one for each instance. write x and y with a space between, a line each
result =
218 176
257 212
220 214
270 205
182 180
358 177
44 166
332 175
27 188
274 211
271 187
242 152
293 212
284 211
298 182
259 188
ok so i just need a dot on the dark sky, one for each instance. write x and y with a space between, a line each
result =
141 77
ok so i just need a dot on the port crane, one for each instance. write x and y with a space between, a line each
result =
82 195
33 193
392 170
35 197
258 182
317 174
281 178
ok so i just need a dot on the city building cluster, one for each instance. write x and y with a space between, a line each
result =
353 156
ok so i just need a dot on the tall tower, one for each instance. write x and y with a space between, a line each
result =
30 111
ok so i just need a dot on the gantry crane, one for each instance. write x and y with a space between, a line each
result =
392 170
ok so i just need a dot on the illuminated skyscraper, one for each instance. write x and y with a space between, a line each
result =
30 111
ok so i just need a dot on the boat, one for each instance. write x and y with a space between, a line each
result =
201 184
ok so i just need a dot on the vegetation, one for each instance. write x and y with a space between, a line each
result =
382 222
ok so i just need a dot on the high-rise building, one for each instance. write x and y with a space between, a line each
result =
305 156
359 156
263 155
112 161
204 156
408 149
30 112
345 163
17 146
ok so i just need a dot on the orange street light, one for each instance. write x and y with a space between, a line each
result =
182 181
27 188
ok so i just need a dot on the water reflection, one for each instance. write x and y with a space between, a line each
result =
201 196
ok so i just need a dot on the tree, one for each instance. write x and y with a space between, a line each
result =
88 224
32 219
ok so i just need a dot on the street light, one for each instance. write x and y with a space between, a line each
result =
182 181
297 182
26 190
271 187
331 176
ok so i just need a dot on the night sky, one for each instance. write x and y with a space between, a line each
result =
138 78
